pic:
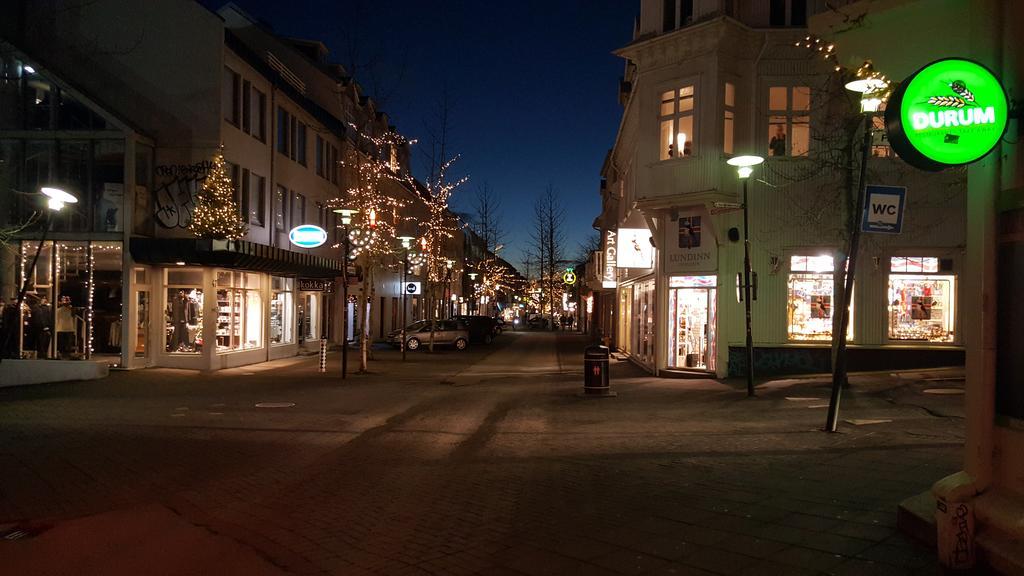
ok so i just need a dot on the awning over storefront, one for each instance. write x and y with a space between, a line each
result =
234 254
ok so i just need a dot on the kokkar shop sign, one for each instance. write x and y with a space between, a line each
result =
949 113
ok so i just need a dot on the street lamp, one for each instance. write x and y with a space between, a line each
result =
56 200
745 167
473 301
448 262
872 89
346 221
406 244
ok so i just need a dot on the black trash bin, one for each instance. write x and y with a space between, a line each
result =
595 370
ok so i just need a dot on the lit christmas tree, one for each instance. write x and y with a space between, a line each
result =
216 213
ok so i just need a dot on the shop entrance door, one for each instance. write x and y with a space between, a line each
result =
692 318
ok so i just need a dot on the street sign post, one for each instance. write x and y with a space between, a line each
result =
883 211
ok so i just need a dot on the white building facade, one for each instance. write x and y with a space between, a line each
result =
707 81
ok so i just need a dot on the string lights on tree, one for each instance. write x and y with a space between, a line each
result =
216 213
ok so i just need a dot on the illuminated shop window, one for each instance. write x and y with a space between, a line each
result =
811 298
676 120
920 300
239 311
184 312
282 306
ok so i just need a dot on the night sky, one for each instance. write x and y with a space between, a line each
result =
531 84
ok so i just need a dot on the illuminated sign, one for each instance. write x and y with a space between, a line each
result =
635 248
316 285
569 277
307 236
609 277
413 288
950 112
689 245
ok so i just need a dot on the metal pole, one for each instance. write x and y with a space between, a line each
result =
405 280
746 293
839 370
344 304
24 285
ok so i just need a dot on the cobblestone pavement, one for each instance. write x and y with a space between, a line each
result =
485 462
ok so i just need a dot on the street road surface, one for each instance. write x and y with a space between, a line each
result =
477 462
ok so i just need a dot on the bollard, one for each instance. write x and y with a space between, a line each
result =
323 355
595 372
955 534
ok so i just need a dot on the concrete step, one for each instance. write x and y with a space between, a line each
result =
915 517
1000 516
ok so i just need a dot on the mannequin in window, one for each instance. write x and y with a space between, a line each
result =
777 145
65 326
183 313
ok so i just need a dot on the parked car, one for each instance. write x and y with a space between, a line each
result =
499 324
417 334
537 322
481 328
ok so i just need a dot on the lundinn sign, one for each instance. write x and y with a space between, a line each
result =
949 113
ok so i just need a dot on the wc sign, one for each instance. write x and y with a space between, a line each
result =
883 211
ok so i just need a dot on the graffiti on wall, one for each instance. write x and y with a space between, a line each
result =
175 192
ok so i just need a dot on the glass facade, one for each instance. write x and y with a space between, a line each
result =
692 320
239 311
811 296
184 311
282 306
73 302
921 301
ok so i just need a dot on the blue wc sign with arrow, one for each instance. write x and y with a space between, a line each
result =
307 236
883 211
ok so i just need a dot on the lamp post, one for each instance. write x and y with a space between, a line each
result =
448 283
871 90
346 220
56 199
473 301
745 167
406 243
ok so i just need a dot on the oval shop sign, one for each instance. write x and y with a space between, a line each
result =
949 113
307 236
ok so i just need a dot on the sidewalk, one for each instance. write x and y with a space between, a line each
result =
447 464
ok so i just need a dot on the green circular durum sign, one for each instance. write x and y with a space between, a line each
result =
949 113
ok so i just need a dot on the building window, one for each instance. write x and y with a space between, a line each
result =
789 120
319 151
332 167
184 312
280 207
298 209
239 311
300 146
920 300
292 135
282 310
812 298
246 107
684 8
282 131
257 208
259 112
230 96
676 120
729 118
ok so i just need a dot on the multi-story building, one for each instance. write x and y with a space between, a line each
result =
712 79
126 109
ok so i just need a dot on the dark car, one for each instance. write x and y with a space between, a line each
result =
537 322
481 328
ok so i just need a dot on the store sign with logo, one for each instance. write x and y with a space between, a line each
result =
316 285
307 236
569 276
690 244
609 277
635 249
949 113
412 288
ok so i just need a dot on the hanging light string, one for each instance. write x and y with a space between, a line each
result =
216 214
880 85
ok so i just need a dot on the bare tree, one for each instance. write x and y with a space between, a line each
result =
547 244
486 217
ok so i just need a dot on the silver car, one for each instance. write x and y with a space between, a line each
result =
448 333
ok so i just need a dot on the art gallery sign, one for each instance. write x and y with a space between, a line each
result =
949 113
609 276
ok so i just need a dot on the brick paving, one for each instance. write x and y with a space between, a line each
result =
483 462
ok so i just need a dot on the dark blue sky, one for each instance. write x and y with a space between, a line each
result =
532 88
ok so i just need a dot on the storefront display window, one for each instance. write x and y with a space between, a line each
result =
239 311
72 308
282 329
920 305
811 298
691 320
643 322
184 312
